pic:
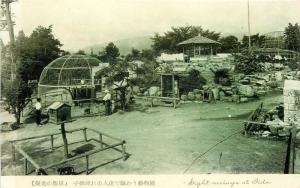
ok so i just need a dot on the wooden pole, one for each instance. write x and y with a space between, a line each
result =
25 166
84 134
101 141
52 142
87 164
63 133
123 152
161 85
13 151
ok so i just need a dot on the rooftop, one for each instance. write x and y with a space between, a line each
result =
198 40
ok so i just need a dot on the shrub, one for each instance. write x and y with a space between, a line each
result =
194 80
221 76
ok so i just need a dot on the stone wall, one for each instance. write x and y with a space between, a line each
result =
292 101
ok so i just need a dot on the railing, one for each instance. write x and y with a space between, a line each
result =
152 98
39 169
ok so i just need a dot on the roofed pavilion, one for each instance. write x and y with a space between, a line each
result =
199 46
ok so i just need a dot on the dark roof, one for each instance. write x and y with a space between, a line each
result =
198 40
56 105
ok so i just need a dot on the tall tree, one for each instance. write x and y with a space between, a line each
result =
111 53
257 41
292 37
36 51
169 40
229 44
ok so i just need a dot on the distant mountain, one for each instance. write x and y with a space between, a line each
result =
125 45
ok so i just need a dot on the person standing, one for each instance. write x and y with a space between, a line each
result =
38 112
107 100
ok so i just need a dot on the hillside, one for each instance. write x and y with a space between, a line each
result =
124 45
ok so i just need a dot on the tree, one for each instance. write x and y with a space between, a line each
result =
36 51
16 92
116 75
248 63
110 53
168 42
256 41
292 37
134 55
229 44
80 52
146 76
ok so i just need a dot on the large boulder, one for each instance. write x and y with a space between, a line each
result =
246 90
184 97
197 91
153 90
198 97
216 93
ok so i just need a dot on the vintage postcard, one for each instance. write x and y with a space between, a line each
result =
141 93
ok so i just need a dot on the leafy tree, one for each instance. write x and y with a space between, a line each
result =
229 44
16 92
110 53
116 75
134 55
248 63
168 42
148 55
256 41
80 52
146 76
36 51
194 80
292 37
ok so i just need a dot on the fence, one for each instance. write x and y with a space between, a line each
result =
41 169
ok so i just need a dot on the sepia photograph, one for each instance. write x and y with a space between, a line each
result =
165 87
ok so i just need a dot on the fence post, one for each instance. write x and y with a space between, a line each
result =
25 165
101 141
123 152
84 134
13 151
52 142
87 164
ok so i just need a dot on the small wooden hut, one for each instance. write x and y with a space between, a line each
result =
59 112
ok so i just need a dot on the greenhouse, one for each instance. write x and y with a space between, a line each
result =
72 73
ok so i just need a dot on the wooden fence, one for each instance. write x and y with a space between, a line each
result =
42 169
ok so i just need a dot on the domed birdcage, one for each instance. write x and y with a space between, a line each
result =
68 72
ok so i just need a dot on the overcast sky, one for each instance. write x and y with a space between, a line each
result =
80 23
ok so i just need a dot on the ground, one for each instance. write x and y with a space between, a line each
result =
163 140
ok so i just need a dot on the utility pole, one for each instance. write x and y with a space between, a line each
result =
9 24
249 33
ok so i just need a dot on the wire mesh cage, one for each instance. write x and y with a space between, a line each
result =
70 71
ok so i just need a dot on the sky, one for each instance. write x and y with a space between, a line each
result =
81 23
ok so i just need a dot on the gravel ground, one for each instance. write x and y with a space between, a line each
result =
163 140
